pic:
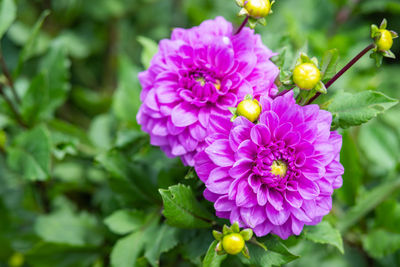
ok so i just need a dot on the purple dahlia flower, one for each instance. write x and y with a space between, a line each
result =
199 72
274 176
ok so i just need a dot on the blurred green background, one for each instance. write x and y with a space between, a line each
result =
101 163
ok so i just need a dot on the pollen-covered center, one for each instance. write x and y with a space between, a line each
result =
279 168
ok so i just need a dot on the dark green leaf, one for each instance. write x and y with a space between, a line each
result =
354 109
379 243
328 64
182 209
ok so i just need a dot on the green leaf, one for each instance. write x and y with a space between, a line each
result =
379 243
125 221
212 259
367 203
164 239
126 99
64 226
276 255
353 175
8 12
49 88
329 62
182 209
324 233
354 109
150 48
29 47
127 250
388 216
30 154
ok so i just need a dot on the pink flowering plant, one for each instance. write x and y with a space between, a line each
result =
199 133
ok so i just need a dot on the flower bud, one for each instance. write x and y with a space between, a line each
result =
256 8
233 243
385 40
250 109
306 76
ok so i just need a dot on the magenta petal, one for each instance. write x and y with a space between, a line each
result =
308 189
277 217
263 228
247 150
294 199
300 214
253 216
241 168
260 135
184 115
262 195
220 153
297 226
238 135
224 204
275 198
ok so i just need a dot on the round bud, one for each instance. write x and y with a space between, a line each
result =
257 8
249 109
306 76
233 243
385 41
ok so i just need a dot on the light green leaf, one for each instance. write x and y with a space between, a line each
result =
379 243
164 239
8 12
30 154
182 209
354 109
212 259
125 221
126 99
127 250
329 62
367 203
150 48
64 226
324 233
276 254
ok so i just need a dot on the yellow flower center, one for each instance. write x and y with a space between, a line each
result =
306 76
279 168
233 243
201 80
217 85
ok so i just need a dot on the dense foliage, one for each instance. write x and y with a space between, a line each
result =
82 186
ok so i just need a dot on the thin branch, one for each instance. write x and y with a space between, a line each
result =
12 107
242 25
342 71
6 73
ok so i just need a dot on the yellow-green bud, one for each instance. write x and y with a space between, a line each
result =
257 8
233 243
306 76
385 41
250 109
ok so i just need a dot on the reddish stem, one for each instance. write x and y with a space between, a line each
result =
242 25
342 71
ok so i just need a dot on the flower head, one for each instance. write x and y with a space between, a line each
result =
199 72
274 176
306 76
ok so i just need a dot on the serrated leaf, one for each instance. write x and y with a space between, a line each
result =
379 243
164 239
8 12
367 203
212 259
150 48
276 255
182 209
30 154
324 233
125 221
355 109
